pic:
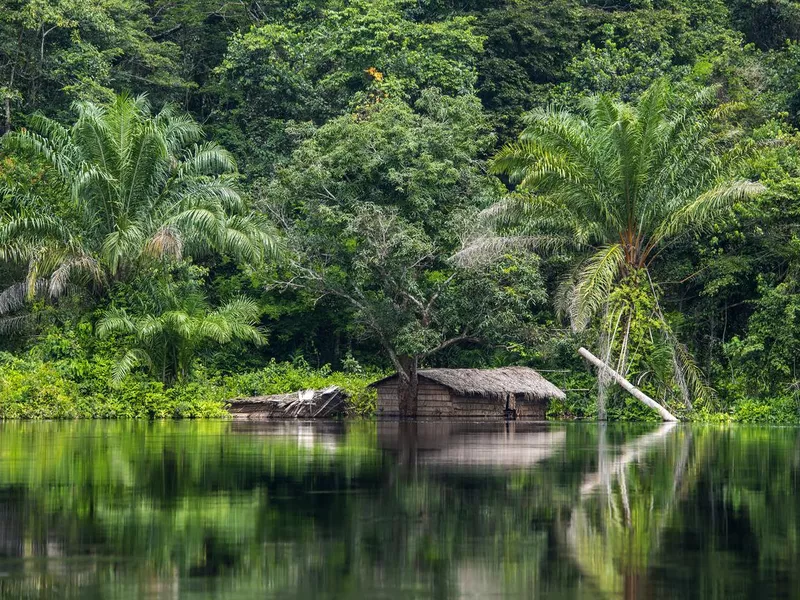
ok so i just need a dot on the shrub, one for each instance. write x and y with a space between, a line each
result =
36 391
60 379
71 388
777 411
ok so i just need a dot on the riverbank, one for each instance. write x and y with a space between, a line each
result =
32 388
70 385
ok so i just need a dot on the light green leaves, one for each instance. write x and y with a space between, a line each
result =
142 187
168 342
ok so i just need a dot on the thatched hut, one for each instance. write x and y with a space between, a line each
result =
510 392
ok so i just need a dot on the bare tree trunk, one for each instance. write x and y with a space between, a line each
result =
627 385
7 122
408 386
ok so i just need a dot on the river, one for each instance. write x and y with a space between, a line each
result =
361 510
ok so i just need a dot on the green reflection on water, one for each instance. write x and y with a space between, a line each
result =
396 510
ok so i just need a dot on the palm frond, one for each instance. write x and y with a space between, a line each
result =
133 358
145 170
240 309
82 263
688 375
252 239
15 324
115 321
121 245
166 242
13 297
485 249
594 284
194 192
207 159
707 206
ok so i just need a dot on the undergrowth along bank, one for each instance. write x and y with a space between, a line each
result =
32 388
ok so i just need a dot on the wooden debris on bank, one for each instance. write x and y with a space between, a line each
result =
305 404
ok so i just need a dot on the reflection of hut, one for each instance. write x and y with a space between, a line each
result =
464 445
513 392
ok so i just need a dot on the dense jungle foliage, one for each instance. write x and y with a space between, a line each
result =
190 191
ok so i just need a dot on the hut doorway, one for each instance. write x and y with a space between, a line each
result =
511 407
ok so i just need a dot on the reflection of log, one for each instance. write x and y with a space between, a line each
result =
631 452
627 385
307 404
624 574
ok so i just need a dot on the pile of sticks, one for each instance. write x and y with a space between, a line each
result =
305 404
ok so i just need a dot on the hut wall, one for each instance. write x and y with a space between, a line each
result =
433 400
478 407
388 404
532 409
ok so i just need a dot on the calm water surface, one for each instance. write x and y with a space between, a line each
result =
223 510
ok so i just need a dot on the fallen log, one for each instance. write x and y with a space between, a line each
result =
627 385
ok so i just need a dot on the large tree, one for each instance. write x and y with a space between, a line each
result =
55 51
372 208
617 184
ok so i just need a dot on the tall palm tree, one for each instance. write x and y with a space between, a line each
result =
617 184
136 185
167 343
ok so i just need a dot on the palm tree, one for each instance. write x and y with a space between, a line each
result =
617 184
136 185
167 343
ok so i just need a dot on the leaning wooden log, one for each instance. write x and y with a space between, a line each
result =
305 404
627 385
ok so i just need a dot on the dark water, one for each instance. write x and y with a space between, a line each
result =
388 510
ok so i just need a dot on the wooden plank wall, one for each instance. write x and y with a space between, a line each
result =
479 407
387 400
435 400
532 409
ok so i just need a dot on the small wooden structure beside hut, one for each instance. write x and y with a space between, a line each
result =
306 404
509 392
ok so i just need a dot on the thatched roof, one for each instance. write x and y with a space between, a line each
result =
491 383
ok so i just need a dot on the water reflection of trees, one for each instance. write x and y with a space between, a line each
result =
681 512
621 516
434 510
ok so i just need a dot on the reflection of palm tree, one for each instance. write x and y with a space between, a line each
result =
614 534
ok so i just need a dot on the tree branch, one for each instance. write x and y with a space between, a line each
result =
158 36
464 337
